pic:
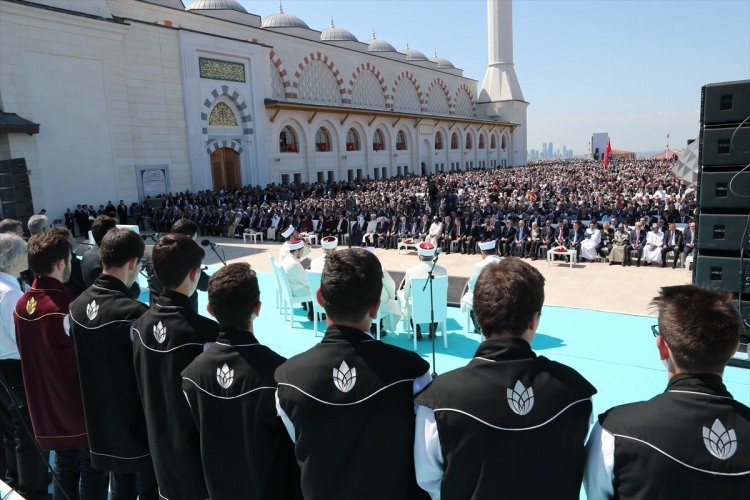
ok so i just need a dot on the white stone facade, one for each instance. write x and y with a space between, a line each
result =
133 94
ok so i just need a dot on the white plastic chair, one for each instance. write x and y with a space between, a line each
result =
419 312
313 278
276 280
286 293
468 305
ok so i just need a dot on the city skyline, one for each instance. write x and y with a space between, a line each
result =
632 68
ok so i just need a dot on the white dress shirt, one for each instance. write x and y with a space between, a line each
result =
10 293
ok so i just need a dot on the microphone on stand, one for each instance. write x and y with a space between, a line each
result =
212 245
438 251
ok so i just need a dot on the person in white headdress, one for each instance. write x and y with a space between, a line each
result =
426 253
487 250
593 238
652 250
329 244
291 233
295 273
389 307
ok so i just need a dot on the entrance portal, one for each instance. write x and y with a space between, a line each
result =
225 168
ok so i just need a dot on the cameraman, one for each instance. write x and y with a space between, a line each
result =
188 228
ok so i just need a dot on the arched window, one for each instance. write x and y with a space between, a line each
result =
481 141
469 141
222 116
288 140
454 141
401 140
502 144
352 141
493 142
378 140
438 141
322 140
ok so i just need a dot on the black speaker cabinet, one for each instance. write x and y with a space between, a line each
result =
16 210
720 272
715 192
14 166
727 102
721 231
726 146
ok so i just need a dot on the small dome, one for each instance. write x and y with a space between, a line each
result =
413 54
379 45
215 5
333 33
281 20
442 62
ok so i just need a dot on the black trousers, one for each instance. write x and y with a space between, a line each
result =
129 486
29 465
77 478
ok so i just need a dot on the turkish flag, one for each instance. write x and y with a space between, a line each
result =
606 153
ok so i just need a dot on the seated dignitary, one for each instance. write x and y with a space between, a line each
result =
295 273
230 389
100 321
487 249
49 369
689 237
26 469
329 244
165 340
590 244
637 242
510 421
620 246
348 402
605 244
427 263
686 443
672 243
291 234
652 249
155 288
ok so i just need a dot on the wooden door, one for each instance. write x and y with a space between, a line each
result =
225 168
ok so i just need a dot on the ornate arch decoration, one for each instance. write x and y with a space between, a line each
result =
367 67
438 83
276 63
318 56
472 100
406 75
224 143
246 119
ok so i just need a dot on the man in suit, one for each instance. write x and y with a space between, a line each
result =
637 242
507 235
672 243
689 239
447 235
561 234
473 236
520 239
575 237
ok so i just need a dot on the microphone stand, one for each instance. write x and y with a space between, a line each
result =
432 329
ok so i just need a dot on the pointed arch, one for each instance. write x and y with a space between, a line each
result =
434 97
360 95
238 101
464 102
405 75
310 60
282 74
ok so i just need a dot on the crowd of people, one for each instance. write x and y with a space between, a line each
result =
163 402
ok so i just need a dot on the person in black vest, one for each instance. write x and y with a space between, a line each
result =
510 422
165 340
690 442
230 389
100 324
348 402
91 263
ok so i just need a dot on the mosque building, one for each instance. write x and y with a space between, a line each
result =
122 99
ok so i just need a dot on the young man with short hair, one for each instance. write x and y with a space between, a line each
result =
166 339
690 441
49 368
230 389
348 402
510 422
100 324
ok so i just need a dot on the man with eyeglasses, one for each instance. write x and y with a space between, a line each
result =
690 441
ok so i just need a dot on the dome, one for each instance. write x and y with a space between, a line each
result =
281 20
379 45
442 62
215 5
333 33
414 55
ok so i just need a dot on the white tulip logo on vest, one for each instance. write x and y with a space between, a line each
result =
92 310
344 378
160 332
520 399
720 442
224 376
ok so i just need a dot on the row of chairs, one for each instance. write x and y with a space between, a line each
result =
418 311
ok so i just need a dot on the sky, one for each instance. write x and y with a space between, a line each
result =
632 68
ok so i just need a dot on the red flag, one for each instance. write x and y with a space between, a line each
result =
606 153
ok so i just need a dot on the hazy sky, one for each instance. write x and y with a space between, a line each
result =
631 68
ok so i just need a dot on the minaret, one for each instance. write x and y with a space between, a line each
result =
500 97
